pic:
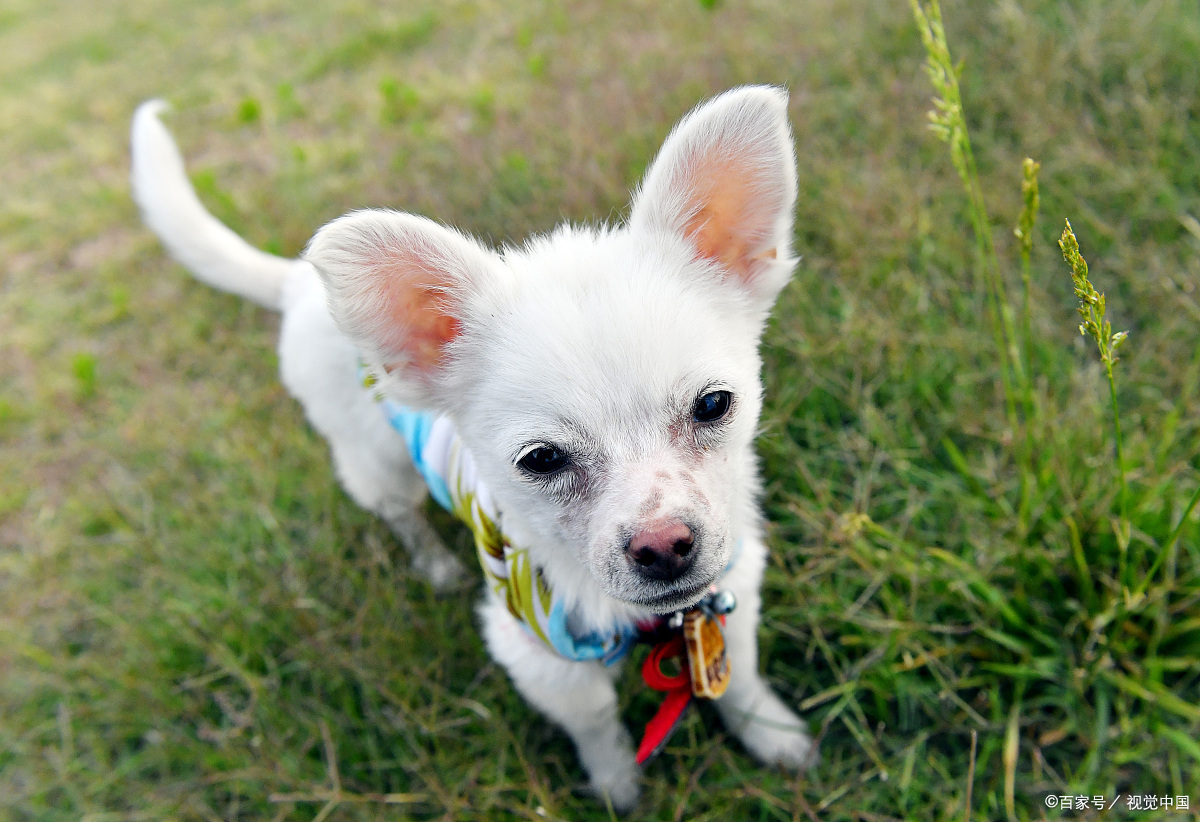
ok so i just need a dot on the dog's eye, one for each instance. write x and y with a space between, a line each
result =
545 459
711 406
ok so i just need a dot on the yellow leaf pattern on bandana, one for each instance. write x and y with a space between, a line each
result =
510 574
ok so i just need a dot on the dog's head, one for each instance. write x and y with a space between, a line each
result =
605 380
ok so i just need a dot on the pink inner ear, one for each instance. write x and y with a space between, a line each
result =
414 320
428 329
733 214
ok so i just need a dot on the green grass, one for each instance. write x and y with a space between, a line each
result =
195 623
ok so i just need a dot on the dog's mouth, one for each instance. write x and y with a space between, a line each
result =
679 598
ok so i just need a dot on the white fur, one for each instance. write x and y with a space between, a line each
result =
193 236
594 341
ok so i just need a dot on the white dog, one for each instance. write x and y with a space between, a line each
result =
587 403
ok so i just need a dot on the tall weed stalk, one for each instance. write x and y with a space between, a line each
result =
1094 325
1031 201
948 122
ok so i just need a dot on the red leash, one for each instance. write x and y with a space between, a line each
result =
699 644
679 696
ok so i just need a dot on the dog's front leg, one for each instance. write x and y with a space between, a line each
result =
578 696
750 708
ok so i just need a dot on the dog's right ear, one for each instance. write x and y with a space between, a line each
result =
397 286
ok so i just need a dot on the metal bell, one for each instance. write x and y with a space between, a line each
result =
675 621
723 602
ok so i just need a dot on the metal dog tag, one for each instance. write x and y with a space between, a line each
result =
708 665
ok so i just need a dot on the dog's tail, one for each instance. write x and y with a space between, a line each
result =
194 237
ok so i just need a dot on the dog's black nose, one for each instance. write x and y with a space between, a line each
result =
662 551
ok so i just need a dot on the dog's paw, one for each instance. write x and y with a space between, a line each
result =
620 787
790 747
776 736
440 567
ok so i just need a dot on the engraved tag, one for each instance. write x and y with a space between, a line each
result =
707 663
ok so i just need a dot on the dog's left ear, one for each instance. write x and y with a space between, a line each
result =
725 180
